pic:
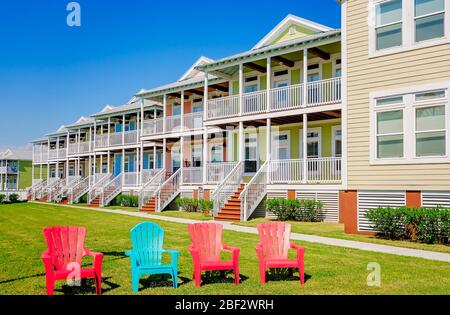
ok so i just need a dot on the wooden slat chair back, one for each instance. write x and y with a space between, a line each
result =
147 239
207 239
65 245
274 238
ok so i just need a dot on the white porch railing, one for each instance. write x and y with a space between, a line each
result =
73 148
54 188
223 107
254 192
193 121
318 171
149 189
254 102
131 179
153 127
79 189
288 97
115 139
111 190
66 187
192 175
130 137
216 172
52 154
228 187
147 175
85 147
100 180
168 190
173 123
324 92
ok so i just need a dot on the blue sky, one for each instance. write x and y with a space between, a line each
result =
51 74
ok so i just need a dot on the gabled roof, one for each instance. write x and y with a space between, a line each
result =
16 154
192 72
288 22
61 131
81 122
130 107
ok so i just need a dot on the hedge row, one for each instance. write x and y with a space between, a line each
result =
295 210
13 198
127 201
426 225
194 205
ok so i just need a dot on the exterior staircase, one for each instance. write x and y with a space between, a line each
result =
232 209
95 193
150 206
147 195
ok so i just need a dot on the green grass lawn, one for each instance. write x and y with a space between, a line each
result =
337 231
329 270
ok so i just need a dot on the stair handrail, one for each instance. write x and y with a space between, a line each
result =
52 191
76 189
95 190
72 181
254 192
38 191
34 188
228 187
116 183
149 189
172 185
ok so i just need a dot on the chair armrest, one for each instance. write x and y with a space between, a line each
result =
98 258
234 251
47 261
300 250
174 255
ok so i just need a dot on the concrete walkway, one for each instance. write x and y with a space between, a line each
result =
385 249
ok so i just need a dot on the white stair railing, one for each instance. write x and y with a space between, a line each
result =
111 190
169 190
149 189
53 190
216 172
148 175
254 192
192 175
64 189
99 182
79 189
228 187
38 186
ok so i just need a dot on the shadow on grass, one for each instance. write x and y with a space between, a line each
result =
22 278
214 277
161 281
87 287
284 274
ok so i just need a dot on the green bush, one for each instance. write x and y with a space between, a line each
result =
127 201
295 210
14 198
206 206
188 204
426 225
2 198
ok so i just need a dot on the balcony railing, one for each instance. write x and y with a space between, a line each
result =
173 123
318 171
40 158
9 170
193 121
192 175
153 127
116 139
216 172
323 92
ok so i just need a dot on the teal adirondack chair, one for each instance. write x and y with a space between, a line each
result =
146 256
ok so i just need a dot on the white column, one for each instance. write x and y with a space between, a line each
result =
164 113
241 142
6 176
123 129
79 140
67 157
48 157
305 147
268 139
101 163
154 157
94 163
109 131
269 82
141 169
164 152
305 76
95 135
205 98
108 162
241 88
182 111
138 128
205 155
142 119
123 166
182 156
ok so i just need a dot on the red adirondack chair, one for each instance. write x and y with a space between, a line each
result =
206 248
273 249
64 254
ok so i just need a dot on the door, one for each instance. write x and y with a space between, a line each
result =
176 158
251 153
314 150
196 155
281 146
117 164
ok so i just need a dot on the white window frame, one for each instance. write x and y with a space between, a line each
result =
408 30
409 122
312 129
275 150
211 145
334 138
193 148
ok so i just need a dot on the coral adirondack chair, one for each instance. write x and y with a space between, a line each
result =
273 249
147 253
206 248
64 254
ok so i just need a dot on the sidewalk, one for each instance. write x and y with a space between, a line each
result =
385 249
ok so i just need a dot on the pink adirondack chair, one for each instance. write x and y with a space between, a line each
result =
206 248
273 249
62 259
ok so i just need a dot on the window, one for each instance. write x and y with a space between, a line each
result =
336 141
314 143
176 110
429 16
410 128
400 25
280 146
251 85
216 153
251 153
196 155
388 27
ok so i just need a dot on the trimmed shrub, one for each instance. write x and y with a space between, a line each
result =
426 225
206 206
295 210
2 198
188 204
127 201
14 198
